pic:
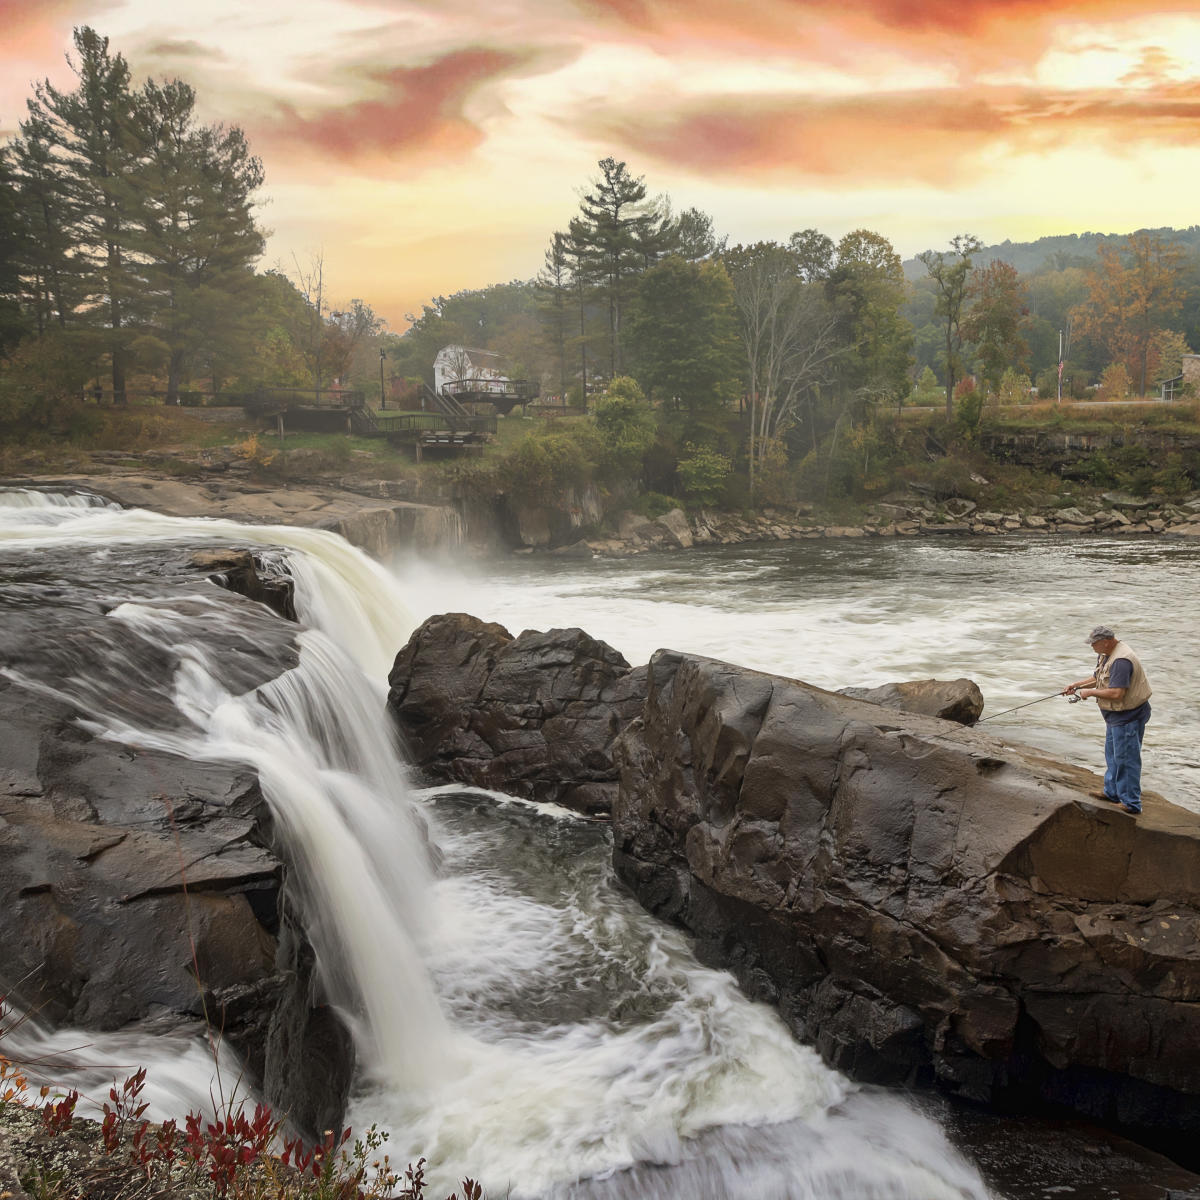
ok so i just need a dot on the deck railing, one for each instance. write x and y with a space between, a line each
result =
417 425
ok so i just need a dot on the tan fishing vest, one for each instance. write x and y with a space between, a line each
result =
1138 691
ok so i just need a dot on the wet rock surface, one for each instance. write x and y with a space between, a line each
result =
138 887
923 903
957 700
534 715
249 575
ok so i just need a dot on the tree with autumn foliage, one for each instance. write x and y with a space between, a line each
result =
996 320
1133 292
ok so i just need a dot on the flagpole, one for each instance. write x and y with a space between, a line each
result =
1060 366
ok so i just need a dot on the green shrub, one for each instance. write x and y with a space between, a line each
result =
625 426
542 467
702 473
653 504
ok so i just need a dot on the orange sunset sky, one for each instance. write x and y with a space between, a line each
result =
431 145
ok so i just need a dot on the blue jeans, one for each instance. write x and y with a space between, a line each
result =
1123 762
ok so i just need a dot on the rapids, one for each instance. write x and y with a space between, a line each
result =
1011 613
519 1017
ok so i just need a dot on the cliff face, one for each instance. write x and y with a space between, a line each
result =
922 902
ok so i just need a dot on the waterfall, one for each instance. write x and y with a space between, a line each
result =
438 528
519 1017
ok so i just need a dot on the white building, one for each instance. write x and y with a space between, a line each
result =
475 370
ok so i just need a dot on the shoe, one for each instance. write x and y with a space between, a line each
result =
1133 812
1104 796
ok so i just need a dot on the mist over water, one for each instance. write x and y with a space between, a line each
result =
520 1018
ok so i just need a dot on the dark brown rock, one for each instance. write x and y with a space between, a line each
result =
534 715
139 888
249 575
957 700
923 903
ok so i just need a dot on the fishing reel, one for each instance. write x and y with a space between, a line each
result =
1074 698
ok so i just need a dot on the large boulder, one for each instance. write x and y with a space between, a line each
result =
924 903
535 715
957 700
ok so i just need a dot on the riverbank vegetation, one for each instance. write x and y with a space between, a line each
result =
803 369
56 1144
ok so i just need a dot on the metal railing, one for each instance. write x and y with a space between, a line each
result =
1170 388
518 389
432 424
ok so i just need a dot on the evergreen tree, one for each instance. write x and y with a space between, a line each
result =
196 231
616 231
93 155
43 253
553 284
12 244
585 274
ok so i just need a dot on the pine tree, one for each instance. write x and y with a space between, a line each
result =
12 246
194 196
43 257
614 231
553 284
92 157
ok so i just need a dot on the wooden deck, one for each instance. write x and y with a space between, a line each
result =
434 431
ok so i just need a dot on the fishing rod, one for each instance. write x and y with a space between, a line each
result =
1071 699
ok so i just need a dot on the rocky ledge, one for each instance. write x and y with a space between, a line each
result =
140 889
924 903
369 514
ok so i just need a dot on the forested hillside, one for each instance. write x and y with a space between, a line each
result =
130 272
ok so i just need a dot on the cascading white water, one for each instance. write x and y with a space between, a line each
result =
183 1078
521 1018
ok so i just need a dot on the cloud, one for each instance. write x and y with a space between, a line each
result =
975 34
414 114
180 50
929 137
1154 66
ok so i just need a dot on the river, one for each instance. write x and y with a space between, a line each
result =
1012 613
519 1017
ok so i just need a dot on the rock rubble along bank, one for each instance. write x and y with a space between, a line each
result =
897 516
922 902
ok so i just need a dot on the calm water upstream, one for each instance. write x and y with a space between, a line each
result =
518 1016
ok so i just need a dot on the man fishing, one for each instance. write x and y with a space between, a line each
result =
1122 691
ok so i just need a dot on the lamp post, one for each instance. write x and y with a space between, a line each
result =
382 393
